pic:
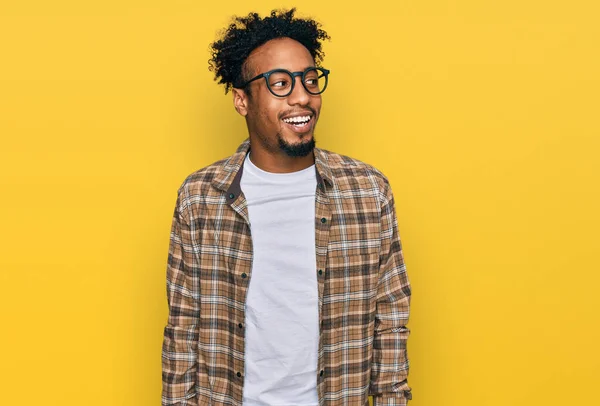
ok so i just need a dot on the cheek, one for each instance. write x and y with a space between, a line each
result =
261 115
265 113
270 114
316 105
268 118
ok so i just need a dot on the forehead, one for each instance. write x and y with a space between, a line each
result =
283 53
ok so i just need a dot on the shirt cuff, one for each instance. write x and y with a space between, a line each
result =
393 399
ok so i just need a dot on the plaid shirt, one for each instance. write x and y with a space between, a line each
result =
364 291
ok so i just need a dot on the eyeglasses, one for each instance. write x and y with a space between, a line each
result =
281 82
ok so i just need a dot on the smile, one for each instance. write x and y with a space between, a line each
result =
299 123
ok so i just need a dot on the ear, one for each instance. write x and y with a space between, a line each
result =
240 101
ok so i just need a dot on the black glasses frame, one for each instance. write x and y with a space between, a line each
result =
293 75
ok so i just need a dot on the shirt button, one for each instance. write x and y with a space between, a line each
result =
323 220
244 275
231 195
240 325
320 272
239 374
321 373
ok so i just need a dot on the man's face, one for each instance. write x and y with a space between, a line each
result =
268 116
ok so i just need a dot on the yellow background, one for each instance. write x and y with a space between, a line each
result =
483 114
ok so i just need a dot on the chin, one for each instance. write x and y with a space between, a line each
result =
301 148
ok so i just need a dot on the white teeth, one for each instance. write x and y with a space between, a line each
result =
301 119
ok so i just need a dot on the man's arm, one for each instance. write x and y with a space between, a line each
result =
180 343
390 365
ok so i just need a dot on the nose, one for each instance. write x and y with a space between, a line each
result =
299 96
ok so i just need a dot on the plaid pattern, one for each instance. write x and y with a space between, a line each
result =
364 291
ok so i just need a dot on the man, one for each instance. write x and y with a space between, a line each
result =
286 282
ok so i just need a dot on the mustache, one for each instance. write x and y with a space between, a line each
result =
287 113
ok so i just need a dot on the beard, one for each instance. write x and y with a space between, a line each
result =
299 149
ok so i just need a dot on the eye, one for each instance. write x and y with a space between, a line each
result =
279 83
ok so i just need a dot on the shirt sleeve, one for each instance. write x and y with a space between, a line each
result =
390 364
180 343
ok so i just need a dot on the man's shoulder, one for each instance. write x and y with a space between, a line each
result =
200 180
347 169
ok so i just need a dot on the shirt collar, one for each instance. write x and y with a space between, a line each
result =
229 175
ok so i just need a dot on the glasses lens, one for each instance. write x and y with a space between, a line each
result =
315 80
280 83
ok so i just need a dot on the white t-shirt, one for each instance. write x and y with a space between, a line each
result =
282 320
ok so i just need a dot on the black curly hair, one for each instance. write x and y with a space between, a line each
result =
247 33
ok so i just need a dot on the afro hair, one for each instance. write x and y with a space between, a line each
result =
247 33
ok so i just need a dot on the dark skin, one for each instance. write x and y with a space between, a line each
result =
265 112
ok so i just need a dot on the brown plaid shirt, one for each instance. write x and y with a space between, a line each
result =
364 291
